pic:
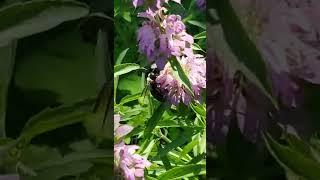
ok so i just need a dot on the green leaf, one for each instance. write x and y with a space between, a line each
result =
198 24
75 157
27 18
293 160
155 118
179 141
58 65
198 158
127 16
125 68
33 155
183 172
197 47
129 98
202 35
241 45
298 145
199 109
165 160
57 172
53 118
180 75
104 67
82 146
189 147
121 56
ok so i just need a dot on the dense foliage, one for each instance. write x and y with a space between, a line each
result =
162 132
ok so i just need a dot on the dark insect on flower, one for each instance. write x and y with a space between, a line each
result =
153 85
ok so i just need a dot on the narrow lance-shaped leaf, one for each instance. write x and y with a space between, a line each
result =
121 56
295 161
183 172
125 68
155 118
53 118
180 75
179 141
27 18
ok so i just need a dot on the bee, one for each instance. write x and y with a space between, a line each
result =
154 87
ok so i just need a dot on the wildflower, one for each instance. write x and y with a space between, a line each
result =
154 3
120 130
175 92
129 164
287 35
201 4
163 36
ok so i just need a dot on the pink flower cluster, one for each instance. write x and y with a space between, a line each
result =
290 41
195 68
127 163
163 37
155 3
130 165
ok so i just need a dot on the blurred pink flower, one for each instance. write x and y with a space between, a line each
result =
290 43
201 4
163 36
156 3
195 68
120 130
129 164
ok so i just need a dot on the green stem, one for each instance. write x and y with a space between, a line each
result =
7 54
166 139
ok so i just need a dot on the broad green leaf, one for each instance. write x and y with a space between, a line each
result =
33 155
298 145
121 56
293 160
27 18
180 75
125 68
155 118
58 66
57 172
242 47
75 157
7 54
183 172
53 118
